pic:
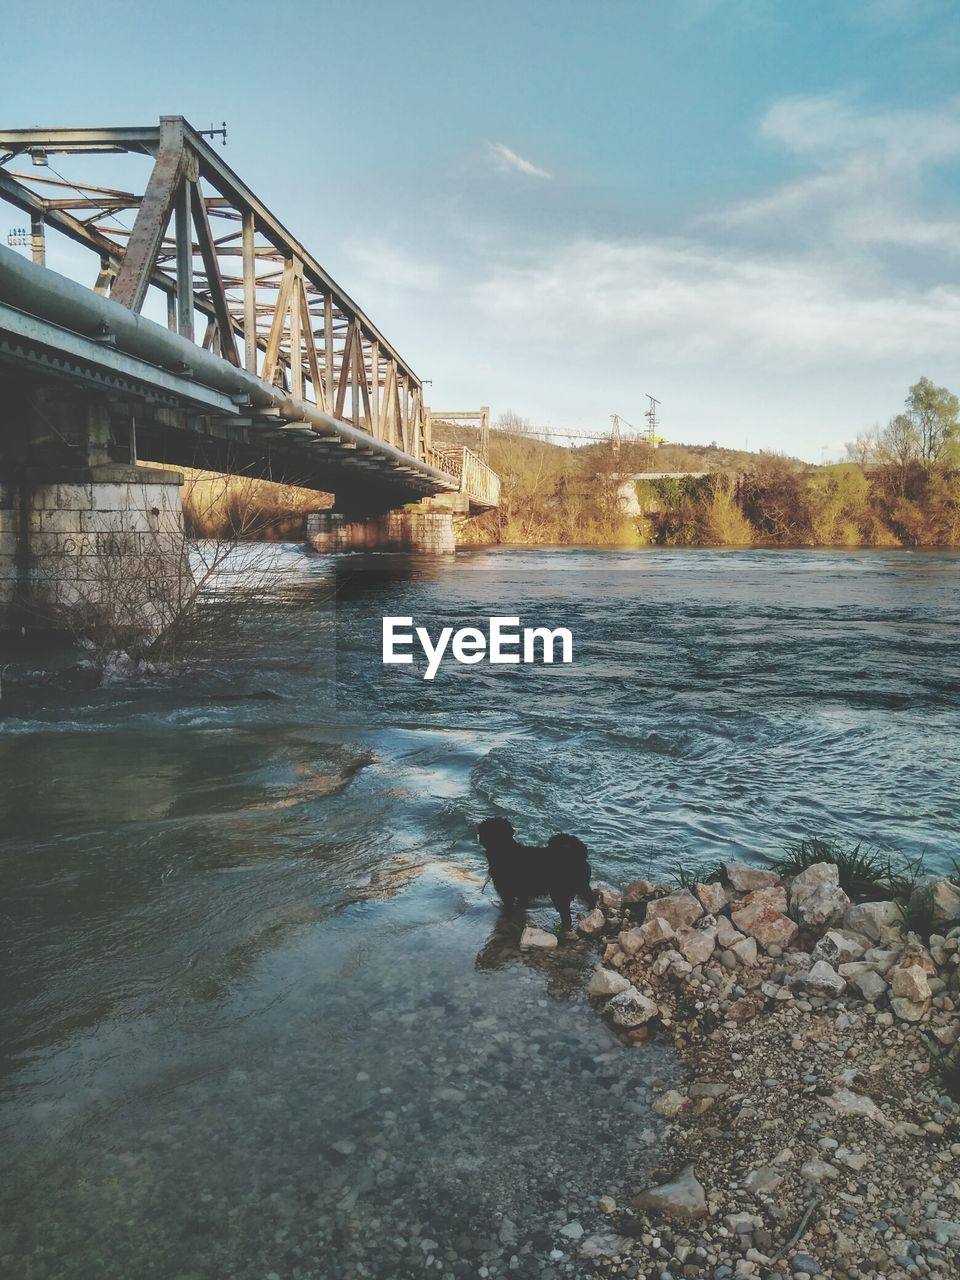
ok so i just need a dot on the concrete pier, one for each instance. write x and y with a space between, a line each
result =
86 543
403 530
102 547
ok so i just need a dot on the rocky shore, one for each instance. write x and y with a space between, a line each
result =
817 1135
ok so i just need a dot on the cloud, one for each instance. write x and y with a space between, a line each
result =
825 127
685 301
389 267
865 181
508 161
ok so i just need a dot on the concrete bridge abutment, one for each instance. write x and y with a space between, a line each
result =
86 543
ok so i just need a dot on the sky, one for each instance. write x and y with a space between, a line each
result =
749 209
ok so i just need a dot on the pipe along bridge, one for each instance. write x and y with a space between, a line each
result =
209 337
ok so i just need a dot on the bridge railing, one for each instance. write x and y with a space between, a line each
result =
478 482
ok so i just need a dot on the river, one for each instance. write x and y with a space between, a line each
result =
259 1018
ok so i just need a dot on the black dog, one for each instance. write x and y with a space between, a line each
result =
523 871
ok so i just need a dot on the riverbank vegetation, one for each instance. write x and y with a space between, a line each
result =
900 486
244 508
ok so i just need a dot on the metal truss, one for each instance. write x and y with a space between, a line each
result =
222 261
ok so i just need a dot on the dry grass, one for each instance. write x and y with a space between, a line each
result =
243 508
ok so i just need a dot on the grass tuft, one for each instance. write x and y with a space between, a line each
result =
687 875
918 915
866 874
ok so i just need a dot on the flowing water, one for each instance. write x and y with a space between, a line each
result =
258 1018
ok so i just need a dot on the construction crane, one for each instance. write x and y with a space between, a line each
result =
615 434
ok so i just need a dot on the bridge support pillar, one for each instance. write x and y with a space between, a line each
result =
96 551
421 531
86 544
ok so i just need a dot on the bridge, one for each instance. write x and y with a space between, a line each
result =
208 337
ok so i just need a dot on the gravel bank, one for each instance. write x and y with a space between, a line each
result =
814 1136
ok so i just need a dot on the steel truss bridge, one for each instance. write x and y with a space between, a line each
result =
265 365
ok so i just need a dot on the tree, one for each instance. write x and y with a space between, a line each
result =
933 411
774 499
899 449
863 449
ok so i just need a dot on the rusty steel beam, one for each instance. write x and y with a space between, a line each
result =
201 236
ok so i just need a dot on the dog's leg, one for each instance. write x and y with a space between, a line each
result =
562 903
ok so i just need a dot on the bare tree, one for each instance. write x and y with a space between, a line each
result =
864 448
899 448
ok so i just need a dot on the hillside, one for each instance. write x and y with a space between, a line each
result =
552 494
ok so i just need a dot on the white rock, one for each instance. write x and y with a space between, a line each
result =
744 878
696 945
537 939
713 897
607 982
592 924
880 959
630 941
771 895
907 1010
879 921
870 985
745 950
664 960
818 1171
839 947
682 1198
636 891
607 897
669 1104
679 909
812 877
764 920
937 1226
825 905
603 1244
910 982
945 902
655 933
822 979
763 1179
773 992
847 1103
631 1009
573 1231
727 935
852 1159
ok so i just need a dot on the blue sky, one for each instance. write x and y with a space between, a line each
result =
748 208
